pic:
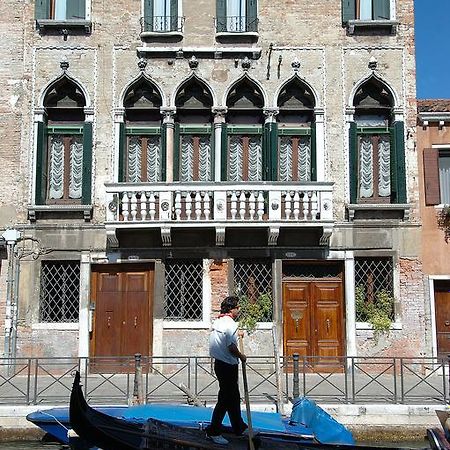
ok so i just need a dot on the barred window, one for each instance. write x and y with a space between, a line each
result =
59 291
374 286
183 293
253 280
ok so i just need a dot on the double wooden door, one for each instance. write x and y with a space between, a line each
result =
442 311
122 298
313 320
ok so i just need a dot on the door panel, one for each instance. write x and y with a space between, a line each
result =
312 320
123 298
442 308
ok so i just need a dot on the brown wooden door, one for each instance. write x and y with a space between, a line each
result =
123 304
313 319
442 310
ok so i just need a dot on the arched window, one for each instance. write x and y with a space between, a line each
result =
193 149
296 138
141 155
377 166
243 157
64 147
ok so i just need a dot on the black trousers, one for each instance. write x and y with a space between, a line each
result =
228 401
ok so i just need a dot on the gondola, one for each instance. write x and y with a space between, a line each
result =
96 429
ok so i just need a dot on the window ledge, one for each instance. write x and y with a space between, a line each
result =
169 324
354 25
251 36
56 326
367 326
162 34
383 211
43 211
50 24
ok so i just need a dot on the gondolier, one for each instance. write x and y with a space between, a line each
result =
223 348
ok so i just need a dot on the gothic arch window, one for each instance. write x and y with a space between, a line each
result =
193 149
64 147
377 163
243 155
142 157
295 156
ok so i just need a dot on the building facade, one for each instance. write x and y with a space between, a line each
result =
433 151
162 154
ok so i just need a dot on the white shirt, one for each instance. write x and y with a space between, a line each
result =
223 334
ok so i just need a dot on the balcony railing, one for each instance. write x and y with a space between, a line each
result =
236 24
220 205
162 24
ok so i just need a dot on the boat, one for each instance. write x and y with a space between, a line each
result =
307 421
439 438
92 428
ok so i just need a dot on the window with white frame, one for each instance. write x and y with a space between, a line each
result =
61 10
59 291
436 162
183 290
366 10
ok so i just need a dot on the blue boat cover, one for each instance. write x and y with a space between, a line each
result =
324 427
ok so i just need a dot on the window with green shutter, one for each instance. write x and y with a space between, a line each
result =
236 16
59 10
162 16
366 10
64 148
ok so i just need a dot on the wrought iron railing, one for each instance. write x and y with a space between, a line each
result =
337 380
162 24
236 24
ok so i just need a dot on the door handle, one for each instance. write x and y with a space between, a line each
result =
447 323
135 321
328 322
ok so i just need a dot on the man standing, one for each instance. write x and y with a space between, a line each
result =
223 348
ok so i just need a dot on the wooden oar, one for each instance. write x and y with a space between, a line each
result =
246 397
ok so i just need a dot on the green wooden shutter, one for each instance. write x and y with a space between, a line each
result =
41 164
251 16
76 10
87 163
122 152
42 9
399 161
148 15
381 9
176 153
221 14
163 152
224 151
266 152
313 153
274 151
173 15
348 10
353 166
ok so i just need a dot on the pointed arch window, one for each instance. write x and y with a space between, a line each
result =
193 150
64 147
243 155
295 153
142 157
377 165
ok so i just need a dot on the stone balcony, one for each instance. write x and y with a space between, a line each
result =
220 205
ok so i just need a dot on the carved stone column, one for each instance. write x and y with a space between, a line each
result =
219 123
168 120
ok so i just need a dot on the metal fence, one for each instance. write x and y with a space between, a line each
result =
357 380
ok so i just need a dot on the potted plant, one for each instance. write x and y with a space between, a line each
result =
443 220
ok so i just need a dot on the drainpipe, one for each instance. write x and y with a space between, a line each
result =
11 237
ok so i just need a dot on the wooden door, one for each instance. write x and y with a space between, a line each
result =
122 327
442 311
313 320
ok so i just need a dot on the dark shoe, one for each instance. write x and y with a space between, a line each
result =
220 440
243 430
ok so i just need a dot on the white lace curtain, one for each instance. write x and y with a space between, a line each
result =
153 159
366 167
236 158
57 166
187 158
287 156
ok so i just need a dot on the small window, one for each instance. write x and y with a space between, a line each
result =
59 291
436 164
236 16
61 10
374 287
183 293
366 10
444 176
161 16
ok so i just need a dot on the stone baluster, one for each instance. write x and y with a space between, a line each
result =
306 202
296 205
198 206
242 205
206 206
144 200
178 205
314 205
252 205
125 206
188 204
260 203
288 207
133 206
233 206
152 206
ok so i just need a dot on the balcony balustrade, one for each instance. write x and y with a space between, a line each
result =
221 205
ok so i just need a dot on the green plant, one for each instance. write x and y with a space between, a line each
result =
254 311
443 221
378 311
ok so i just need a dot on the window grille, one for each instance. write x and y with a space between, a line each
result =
183 293
253 279
373 276
60 291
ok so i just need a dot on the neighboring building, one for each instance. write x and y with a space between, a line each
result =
433 151
164 153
